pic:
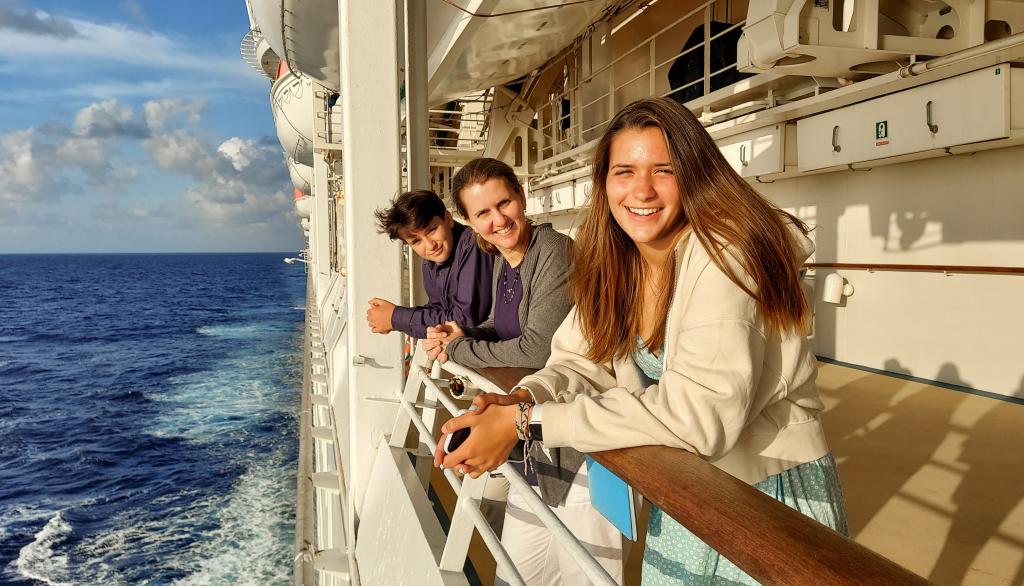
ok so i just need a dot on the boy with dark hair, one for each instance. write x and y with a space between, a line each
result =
456 273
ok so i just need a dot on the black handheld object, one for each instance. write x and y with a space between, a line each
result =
455 439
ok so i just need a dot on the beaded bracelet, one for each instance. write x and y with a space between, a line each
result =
522 420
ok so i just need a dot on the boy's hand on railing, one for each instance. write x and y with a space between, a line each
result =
491 439
379 315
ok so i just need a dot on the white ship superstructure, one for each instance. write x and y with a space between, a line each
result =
894 127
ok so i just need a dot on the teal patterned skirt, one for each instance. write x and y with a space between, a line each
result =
675 556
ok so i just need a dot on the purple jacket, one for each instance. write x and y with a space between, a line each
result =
458 290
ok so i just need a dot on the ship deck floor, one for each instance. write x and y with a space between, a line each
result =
933 477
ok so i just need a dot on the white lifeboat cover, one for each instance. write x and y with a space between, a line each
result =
302 175
304 207
312 42
291 101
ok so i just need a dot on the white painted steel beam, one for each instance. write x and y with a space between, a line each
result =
416 93
370 130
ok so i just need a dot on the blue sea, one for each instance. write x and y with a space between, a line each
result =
148 413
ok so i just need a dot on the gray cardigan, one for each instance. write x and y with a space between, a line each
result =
544 273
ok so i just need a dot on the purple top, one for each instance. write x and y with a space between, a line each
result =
459 289
506 325
506 306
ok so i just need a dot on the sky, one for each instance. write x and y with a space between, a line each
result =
135 126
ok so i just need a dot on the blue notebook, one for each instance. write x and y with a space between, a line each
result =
613 498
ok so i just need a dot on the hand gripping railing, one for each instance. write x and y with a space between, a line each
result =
467 515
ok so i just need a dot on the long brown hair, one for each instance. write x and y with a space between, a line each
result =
477 172
722 210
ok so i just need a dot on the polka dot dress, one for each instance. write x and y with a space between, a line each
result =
674 555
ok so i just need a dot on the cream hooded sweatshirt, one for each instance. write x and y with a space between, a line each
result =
742 398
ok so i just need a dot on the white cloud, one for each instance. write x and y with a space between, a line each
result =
239 151
159 112
178 151
240 181
22 170
38 165
97 43
107 119
231 204
82 151
36 23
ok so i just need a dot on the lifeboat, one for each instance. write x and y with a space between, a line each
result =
302 176
291 101
303 205
465 52
314 52
468 53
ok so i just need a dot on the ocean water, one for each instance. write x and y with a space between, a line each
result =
148 413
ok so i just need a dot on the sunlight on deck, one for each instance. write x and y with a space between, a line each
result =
934 478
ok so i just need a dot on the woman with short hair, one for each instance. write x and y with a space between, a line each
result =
530 300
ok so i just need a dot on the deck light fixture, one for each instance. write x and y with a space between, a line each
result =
836 287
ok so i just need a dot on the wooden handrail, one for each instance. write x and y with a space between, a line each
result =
925 268
772 542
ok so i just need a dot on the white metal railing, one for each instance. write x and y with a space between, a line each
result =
467 515
463 126
557 145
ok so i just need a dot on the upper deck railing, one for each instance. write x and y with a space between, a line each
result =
461 125
571 122
772 542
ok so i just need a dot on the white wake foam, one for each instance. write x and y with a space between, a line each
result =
246 330
251 544
41 560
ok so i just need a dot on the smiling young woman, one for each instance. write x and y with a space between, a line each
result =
688 331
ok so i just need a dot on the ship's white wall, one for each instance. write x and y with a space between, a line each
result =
955 210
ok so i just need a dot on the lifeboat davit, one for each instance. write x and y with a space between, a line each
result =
305 34
256 51
291 101
303 205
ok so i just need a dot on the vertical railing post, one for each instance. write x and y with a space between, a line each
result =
575 83
707 49
651 68
416 114
460 533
